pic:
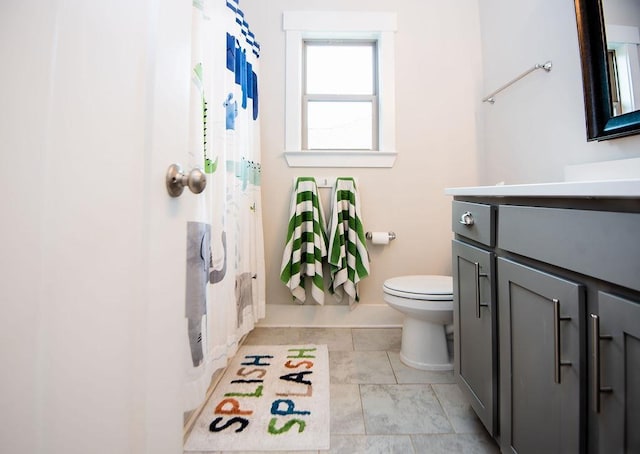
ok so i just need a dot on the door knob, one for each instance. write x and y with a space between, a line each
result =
176 180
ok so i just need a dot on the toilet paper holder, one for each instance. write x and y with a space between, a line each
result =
392 235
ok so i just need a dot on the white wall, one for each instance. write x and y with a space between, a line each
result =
537 126
437 87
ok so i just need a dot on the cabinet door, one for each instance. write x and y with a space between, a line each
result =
541 361
474 318
618 418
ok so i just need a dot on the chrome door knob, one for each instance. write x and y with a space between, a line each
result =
176 180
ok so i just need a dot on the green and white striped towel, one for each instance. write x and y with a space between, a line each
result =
348 256
306 245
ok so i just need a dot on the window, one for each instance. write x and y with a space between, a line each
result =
623 59
340 102
340 94
614 88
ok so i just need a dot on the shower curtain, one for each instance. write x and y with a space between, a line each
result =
225 246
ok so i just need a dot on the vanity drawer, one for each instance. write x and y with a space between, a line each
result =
601 244
475 221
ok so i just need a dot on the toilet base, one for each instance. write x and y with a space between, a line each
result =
424 366
424 345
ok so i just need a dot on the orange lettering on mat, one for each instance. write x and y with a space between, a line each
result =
309 393
290 365
243 373
234 410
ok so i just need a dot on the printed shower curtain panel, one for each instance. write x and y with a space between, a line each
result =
225 262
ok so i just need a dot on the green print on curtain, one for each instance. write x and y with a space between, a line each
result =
209 165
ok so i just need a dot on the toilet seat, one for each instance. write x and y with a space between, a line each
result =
420 287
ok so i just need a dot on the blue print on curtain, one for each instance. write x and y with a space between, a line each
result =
225 133
242 69
231 111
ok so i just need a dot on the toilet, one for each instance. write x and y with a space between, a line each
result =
427 304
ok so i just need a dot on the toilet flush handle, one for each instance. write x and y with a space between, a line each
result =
466 218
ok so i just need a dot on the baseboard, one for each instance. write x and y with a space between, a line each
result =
330 316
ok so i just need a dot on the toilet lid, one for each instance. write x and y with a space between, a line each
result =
421 287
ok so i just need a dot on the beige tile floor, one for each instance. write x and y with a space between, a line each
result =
379 405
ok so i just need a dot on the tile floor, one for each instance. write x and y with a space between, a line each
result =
379 405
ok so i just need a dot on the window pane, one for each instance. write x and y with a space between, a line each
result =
339 125
339 69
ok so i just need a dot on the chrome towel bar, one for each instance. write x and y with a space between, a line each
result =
546 66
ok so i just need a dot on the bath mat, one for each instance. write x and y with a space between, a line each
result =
271 398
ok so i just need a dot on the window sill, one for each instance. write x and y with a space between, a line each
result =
339 158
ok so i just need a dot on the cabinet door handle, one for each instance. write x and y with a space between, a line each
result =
556 340
595 353
466 218
478 276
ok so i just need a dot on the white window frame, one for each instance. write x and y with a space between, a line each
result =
378 26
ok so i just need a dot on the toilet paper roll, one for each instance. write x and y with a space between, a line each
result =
380 237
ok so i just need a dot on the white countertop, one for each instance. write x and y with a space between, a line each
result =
590 189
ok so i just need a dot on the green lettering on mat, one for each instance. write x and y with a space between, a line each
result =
257 393
275 431
301 352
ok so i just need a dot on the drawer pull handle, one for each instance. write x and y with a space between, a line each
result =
466 218
478 276
556 339
595 352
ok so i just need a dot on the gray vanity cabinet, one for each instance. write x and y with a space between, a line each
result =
615 387
474 320
547 320
541 361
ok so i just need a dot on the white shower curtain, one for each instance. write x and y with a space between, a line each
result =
225 141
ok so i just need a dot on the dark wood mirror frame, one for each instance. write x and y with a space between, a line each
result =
600 122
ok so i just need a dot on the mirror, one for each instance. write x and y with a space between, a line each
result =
610 72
